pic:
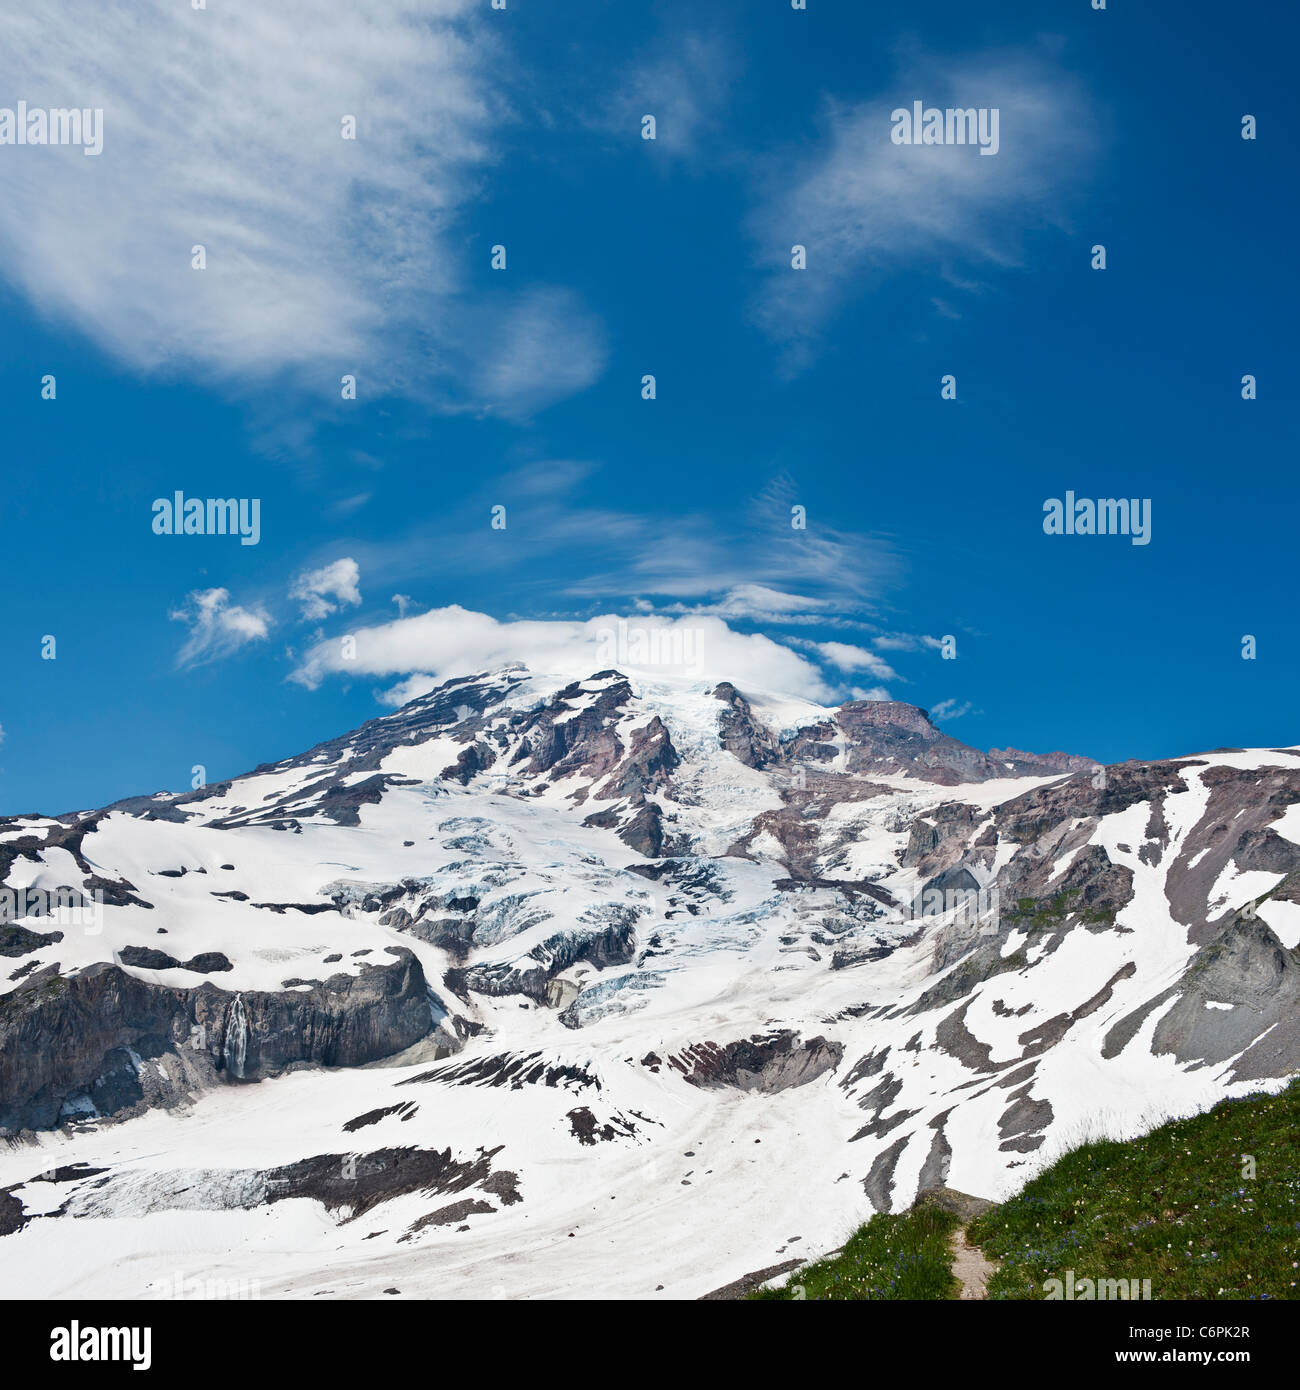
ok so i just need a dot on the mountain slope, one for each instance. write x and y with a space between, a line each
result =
702 977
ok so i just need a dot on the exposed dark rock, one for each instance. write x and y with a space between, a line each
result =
66 1042
644 832
586 1129
650 760
934 1171
308 909
984 961
774 1062
870 1065
147 958
747 1283
512 1069
945 824
208 963
953 1037
1248 969
741 734
355 1184
372 1117
603 941
478 757
1051 1031
20 941
1044 762
347 1185
12 1215
879 1182
961 1204
114 892
1021 1123
448 1216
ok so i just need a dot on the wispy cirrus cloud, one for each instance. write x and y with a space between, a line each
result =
542 347
951 709
907 642
749 562
746 563
865 207
684 83
760 603
751 575
224 129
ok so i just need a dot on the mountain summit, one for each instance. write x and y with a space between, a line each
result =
700 975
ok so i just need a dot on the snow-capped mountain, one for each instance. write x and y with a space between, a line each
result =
622 987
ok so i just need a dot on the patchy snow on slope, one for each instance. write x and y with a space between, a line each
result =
646 1074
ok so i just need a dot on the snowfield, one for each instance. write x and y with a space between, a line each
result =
615 989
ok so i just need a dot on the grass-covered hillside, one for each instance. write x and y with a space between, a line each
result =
892 1257
1178 1207
1207 1207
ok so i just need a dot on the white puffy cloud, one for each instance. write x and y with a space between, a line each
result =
217 627
326 590
846 657
445 642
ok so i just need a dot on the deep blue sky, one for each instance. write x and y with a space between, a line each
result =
671 257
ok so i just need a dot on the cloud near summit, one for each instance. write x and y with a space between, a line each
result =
426 649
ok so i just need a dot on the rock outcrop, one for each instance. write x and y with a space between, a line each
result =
104 1041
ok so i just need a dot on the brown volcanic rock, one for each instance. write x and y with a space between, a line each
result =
889 736
884 736
938 839
651 759
561 742
741 734
856 716
1049 762
877 738
767 1063
1033 814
